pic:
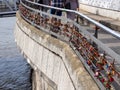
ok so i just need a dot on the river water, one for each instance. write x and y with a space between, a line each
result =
14 70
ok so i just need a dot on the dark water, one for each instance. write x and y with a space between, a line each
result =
14 70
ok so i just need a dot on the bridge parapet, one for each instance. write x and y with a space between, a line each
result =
93 53
56 66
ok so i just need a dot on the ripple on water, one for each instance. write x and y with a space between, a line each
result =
14 70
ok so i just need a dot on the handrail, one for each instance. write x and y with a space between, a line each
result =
109 51
112 53
112 32
33 13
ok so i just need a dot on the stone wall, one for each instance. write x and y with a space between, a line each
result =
56 66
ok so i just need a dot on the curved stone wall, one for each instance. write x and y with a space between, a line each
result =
56 66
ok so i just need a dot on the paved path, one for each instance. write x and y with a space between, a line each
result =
112 23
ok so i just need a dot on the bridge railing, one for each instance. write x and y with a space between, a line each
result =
8 5
99 60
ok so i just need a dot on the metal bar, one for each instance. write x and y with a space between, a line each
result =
81 29
88 68
7 13
99 43
6 2
15 6
112 32
81 58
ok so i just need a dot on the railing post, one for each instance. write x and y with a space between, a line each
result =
96 32
96 36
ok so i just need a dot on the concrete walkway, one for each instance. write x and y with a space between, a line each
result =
109 22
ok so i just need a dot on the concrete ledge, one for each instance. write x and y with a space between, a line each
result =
26 33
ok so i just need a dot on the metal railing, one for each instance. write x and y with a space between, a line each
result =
85 45
8 5
83 16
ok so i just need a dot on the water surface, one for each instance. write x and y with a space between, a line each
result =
14 70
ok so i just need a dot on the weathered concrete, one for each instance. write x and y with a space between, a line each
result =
107 4
105 11
56 66
107 8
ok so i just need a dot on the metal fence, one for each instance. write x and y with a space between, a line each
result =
8 5
92 52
